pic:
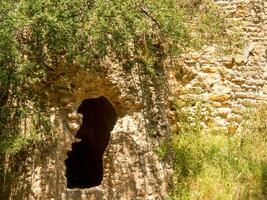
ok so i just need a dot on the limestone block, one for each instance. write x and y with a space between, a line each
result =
209 69
237 88
261 97
223 112
221 88
264 89
238 80
248 102
255 82
219 97
239 109
216 104
250 88
244 95
212 79
234 118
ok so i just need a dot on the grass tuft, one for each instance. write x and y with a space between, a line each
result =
216 165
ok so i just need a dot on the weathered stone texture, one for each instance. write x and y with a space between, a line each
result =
229 84
132 169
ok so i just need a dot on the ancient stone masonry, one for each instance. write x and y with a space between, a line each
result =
228 84
109 123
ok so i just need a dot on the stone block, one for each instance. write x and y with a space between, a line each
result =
249 87
216 104
261 97
237 88
234 118
219 97
238 80
209 69
243 95
252 82
223 112
238 109
264 89
248 102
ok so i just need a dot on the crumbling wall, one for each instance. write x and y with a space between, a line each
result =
227 84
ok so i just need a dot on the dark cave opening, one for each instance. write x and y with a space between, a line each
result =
84 165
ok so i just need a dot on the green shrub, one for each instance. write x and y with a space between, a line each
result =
41 39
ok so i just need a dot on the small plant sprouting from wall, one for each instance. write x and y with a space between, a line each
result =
211 164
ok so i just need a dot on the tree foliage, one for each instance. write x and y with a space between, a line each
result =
38 37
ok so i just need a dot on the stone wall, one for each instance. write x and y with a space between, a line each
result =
227 84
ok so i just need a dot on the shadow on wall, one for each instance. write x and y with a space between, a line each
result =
84 165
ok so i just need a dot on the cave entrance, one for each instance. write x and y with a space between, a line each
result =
84 165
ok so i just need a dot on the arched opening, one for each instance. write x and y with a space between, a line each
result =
84 165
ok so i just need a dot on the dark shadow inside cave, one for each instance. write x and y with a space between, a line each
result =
84 165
